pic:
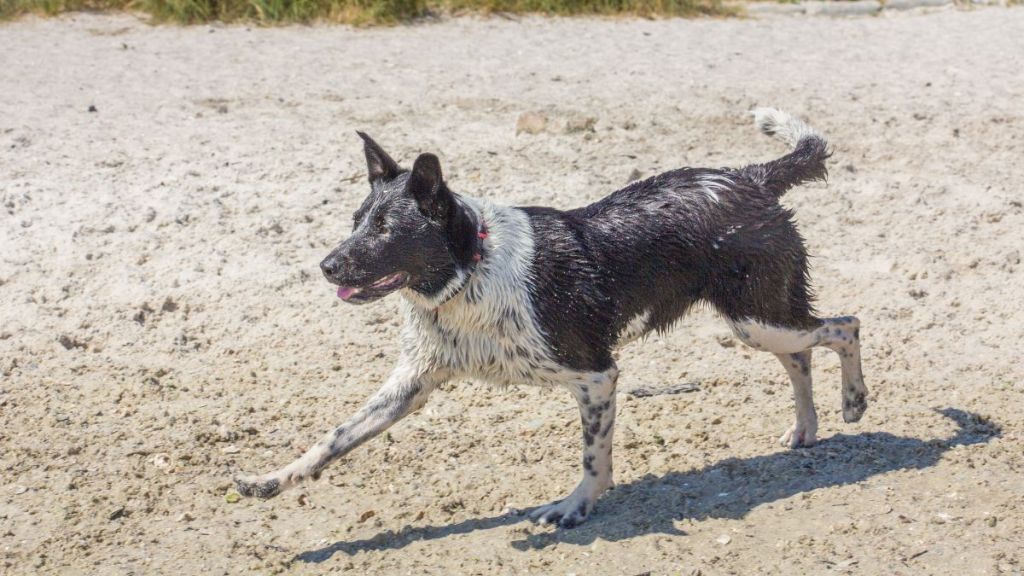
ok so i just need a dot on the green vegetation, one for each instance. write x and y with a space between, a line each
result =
358 11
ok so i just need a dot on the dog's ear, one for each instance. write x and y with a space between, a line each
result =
427 186
378 163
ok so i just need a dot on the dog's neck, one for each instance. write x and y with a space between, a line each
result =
471 225
481 235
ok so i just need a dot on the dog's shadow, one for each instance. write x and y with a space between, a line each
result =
729 489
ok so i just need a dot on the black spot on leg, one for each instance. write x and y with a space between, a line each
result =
586 398
858 399
800 363
856 332
588 464
588 438
805 367
597 410
607 429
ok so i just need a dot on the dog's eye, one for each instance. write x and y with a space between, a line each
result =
381 223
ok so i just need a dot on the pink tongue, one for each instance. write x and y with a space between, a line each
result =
345 293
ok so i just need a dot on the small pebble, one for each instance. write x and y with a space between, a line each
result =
531 123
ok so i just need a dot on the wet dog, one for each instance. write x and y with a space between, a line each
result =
517 295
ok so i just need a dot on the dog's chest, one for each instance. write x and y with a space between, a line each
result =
497 342
488 330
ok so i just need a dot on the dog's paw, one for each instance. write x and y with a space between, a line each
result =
567 513
258 487
800 435
855 403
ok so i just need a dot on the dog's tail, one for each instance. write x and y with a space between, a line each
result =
804 164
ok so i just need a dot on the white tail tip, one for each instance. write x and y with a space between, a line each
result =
781 125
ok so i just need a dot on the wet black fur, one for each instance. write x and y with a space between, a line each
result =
662 245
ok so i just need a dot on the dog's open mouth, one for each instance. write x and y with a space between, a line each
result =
378 289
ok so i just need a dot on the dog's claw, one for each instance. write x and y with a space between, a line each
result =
800 435
253 486
568 513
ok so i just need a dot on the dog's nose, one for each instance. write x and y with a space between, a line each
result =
329 266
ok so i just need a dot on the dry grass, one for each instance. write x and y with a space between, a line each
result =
358 11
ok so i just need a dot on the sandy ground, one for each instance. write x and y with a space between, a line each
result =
163 324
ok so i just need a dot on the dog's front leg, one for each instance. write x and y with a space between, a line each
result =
405 392
595 394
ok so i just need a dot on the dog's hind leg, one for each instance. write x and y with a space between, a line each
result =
792 347
405 392
843 337
595 394
805 430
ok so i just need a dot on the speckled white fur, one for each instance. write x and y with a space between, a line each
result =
488 330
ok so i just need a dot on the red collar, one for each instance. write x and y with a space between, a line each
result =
481 235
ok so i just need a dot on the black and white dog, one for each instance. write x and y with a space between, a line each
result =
543 296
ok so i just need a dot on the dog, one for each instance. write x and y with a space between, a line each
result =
515 295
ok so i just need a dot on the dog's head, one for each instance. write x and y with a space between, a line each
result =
410 232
